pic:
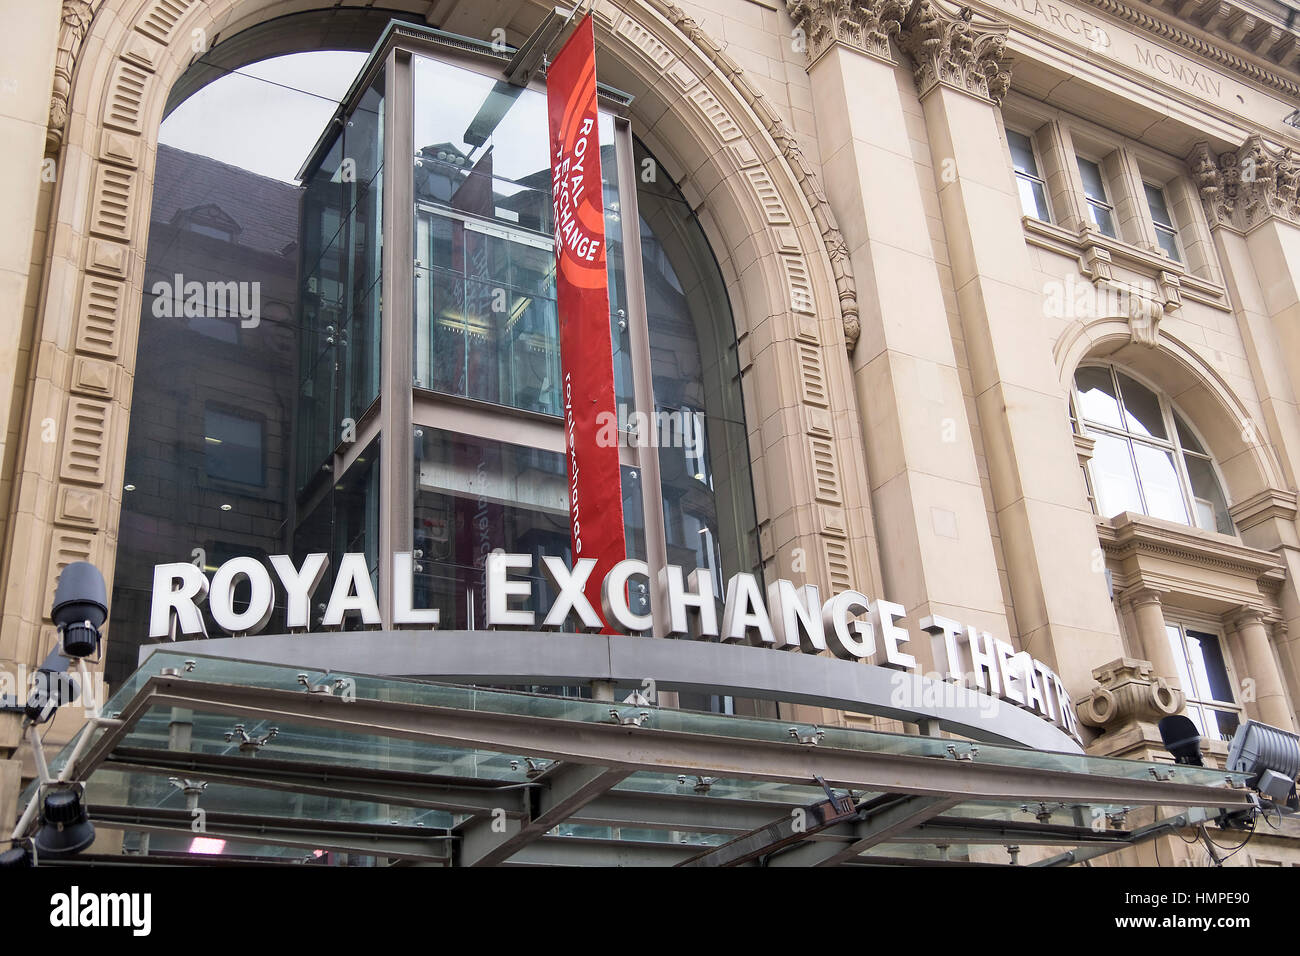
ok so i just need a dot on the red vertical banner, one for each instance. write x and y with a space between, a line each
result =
582 294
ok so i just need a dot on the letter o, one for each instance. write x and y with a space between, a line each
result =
222 595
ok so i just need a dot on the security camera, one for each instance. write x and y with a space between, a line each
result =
80 608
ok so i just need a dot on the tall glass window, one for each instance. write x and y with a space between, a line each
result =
1146 459
1166 231
1033 190
1100 210
1203 673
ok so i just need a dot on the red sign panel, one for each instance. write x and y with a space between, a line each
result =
582 291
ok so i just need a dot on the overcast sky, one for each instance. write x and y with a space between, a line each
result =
249 119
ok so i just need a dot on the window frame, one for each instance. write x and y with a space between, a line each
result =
1036 178
1196 698
219 408
1089 203
1170 416
1171 228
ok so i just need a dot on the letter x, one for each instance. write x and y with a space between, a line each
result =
571 585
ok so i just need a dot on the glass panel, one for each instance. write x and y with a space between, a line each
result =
1160 485
1205 655
1098 402
244 271
1224 723
1175 636
1113 477
1159 209
1093 185
470 128
1207 496
1168 240
473 496
1103 219
365 744
1142 414
486 324
1185 436
234 447
1033 198
482 184
699 414
1022 153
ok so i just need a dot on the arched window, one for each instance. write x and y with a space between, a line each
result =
1146 459
264 433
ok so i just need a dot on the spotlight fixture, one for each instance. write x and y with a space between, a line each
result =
1270 756
80 608
18 856
1182 739
65 827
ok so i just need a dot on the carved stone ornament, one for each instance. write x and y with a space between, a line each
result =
864 25
1144 317
1244 187
836 248
75 23
951 48
1128 691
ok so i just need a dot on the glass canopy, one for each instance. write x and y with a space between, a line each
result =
206 758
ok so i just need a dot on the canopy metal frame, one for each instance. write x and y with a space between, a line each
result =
872 797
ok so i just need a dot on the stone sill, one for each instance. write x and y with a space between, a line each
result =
1058 239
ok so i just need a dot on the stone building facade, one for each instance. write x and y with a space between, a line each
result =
1015 289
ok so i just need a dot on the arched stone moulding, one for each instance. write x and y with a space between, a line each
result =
793 299
1222 418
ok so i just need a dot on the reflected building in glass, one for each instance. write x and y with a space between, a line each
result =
968 312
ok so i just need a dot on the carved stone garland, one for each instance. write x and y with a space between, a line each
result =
1246 186
74 25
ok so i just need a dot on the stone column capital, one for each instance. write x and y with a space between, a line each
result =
1246 186
1140 595
1248 615
861 25
952 48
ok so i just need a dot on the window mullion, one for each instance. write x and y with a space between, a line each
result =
652 501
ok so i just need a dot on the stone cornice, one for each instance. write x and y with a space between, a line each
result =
1207 15
1131 534
1247 186
1269 504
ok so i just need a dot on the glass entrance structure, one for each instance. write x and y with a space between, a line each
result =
422 348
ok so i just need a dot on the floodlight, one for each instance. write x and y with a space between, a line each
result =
1269 755
80 608
65 827
1182 739
18 856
